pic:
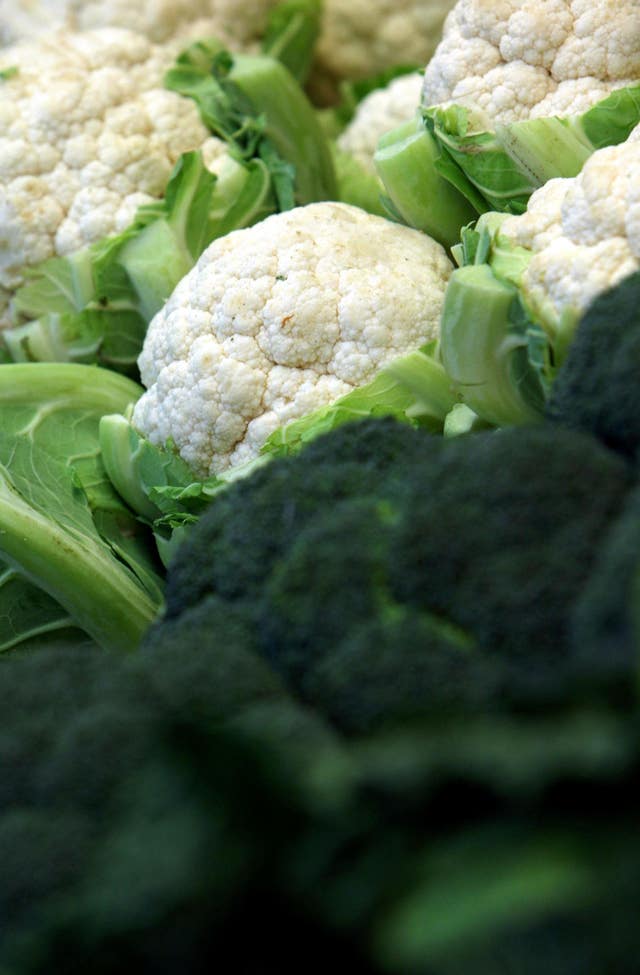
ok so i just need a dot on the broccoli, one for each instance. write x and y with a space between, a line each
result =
596 389
459 561
140 832
366 717
133 801
607 613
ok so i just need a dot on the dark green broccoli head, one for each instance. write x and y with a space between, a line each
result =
607 614
597 388
190 802
439 848
148 804
468 553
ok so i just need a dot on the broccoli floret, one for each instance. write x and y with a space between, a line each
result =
141 814
468 553
597 388
392 666
443 848
607 615
205 663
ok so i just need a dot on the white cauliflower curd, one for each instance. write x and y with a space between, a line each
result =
159 20
360 38
380 111
519 59
279 319
583 233
87 135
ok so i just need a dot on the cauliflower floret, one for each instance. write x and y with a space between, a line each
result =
280 319
361 38
584 233
159 20
382 110
518 59
87 134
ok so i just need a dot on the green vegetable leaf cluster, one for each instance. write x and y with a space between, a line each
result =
454 159
72 554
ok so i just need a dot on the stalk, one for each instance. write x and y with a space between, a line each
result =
483 353
405 161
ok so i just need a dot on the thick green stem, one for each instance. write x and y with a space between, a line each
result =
483 354
48 531
543 148
291 124
103 598
405 161
424 377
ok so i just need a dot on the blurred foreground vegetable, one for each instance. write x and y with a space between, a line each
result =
403 749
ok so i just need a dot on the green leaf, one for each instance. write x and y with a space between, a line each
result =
138 469
497 181
412 388
246 99
498 168
283 175
26 611
58 285
485 348
202 72
292 30
62 526
611 120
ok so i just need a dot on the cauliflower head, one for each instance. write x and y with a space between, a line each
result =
361 38
519 59
382 110
87 135
584 232
279 319
159 20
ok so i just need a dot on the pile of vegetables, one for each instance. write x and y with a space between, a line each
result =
319 491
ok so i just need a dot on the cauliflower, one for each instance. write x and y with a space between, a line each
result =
583 233
517 93
87 135
279 319
359 38
383 109
160 20
511 311
519 59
